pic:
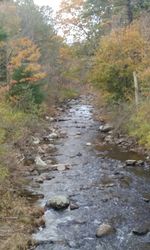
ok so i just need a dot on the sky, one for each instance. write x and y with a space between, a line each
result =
53 3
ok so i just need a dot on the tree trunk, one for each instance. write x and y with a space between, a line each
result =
129 12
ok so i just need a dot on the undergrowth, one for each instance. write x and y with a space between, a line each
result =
16 220
139 124
132 120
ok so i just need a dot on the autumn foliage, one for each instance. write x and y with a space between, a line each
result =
26 54
25 74
118 55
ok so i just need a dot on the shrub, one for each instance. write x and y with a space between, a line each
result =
139 124
11 122
25 95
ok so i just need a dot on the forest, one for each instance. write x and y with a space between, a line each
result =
47 58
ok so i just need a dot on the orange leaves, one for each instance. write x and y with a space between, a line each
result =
33 67
25 53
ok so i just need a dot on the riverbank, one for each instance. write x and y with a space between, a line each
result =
19 216
123 127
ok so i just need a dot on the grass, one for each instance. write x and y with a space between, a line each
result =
11 122
16 214
67 93
132 121
139 124
126 118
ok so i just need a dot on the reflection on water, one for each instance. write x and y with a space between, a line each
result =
141 172
116 153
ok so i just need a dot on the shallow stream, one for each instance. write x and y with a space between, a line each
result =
98 182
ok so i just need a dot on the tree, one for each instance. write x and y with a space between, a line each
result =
84 19
25 74
119 54
3 56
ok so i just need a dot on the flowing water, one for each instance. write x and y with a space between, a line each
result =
99 183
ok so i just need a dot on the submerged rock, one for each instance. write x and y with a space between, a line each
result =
61 167
44 177
58 202
146 197
79 154
141 230
73 206
104 229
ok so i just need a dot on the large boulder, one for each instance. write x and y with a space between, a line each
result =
58 202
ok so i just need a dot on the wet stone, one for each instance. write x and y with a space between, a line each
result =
79 154
104 229
58 202
36 140
140 163
106 128
61 167
44 177
130 162
146 197
141 230
73 206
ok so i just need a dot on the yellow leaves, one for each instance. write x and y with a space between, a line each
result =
39 76
125 45
65 53
119 54
15 62
25 53
2 44
24 50
33 67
